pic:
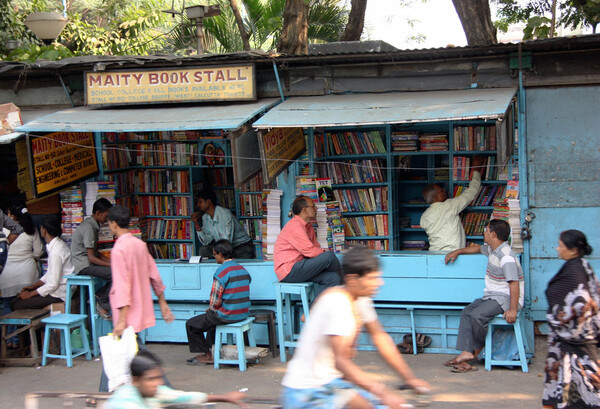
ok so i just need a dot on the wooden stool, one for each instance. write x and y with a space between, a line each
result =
267 316
237 329
85 282
65 323
500 321
283 292
28 320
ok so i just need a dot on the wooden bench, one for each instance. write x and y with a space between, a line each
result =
27 320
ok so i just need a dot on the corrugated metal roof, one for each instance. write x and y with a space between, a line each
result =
84 119
27 115
389 108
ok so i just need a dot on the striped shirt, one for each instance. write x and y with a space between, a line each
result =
235 299
502 267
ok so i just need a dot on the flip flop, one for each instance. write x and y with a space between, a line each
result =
464 368
196 361
422 340
452 363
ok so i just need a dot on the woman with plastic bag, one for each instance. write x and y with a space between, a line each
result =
572 373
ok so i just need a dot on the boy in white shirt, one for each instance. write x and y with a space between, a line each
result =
322 374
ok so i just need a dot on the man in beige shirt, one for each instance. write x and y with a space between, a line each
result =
441 220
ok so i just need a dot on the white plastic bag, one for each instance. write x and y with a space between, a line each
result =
117 354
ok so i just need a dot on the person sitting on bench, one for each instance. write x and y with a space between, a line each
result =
503 293
297 255
52 287
229 302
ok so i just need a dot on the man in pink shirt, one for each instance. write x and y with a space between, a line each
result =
133 272
298 256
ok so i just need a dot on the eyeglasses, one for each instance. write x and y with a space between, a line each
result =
309 206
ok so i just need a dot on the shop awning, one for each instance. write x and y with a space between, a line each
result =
388 108
150 118
27 115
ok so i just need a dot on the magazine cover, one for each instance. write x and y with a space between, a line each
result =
324 190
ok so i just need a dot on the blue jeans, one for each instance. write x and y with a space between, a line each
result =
324 269
336 394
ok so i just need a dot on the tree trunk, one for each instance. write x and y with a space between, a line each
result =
294 34
356 21
240 24
476 19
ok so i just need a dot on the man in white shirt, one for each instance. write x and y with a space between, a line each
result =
441 220
322 373
52 287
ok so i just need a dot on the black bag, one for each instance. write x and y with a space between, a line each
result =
3 251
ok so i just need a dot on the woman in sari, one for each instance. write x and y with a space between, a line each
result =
572 373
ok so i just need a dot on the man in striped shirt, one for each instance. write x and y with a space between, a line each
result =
229 302
503 293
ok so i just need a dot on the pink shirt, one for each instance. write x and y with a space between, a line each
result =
296 242
133 272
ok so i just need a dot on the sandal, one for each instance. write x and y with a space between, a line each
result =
196 361
408 348
452 363
422 340
464 367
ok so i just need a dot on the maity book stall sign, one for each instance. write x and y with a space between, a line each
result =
225 83
61 159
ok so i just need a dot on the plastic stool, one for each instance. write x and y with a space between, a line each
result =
237 329
267 316
65 323
85 281
500 321
283 292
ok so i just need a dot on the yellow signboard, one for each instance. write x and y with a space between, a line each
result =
280 147
61 159
226 83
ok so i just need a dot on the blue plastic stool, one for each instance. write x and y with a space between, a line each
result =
86 282
65 323
237 329
283 292
519 336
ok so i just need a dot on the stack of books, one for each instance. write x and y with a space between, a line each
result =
321 225
306 186
433 142
271 222
336 237
514 215
72 212
404 141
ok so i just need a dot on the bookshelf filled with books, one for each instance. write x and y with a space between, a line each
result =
442 153
157 176
249 209
356 160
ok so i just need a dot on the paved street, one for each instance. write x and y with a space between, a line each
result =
499 388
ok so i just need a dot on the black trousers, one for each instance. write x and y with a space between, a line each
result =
104 273
35 302
197 326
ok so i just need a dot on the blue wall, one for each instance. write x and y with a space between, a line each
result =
563 177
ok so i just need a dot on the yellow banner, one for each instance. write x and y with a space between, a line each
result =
60 159
281 146
226 83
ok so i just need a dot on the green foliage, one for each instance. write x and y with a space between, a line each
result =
537 15
36 52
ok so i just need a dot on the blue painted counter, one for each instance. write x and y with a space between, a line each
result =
410 277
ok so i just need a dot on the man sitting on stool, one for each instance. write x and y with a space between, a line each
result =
87 260
229 302
219 223
298 257
503 293
52 287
